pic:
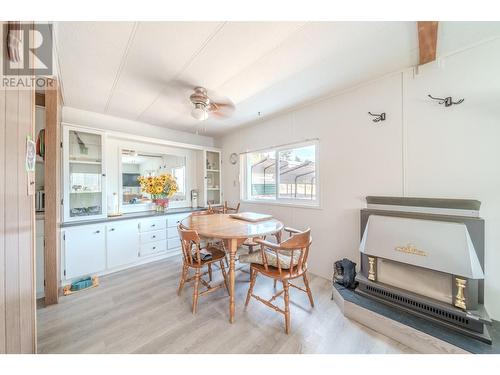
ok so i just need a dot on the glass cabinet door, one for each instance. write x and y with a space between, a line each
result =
84 179
213 178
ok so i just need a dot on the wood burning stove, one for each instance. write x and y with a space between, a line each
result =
426 257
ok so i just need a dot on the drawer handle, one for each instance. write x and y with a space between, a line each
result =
153 225
112 229
154 247
154 236
97 231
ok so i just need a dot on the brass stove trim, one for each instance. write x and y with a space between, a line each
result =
410 249
461 284
372 270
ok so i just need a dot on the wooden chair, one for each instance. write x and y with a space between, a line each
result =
192 259
231 210
225 209
206 242
283 262
204 212
215 210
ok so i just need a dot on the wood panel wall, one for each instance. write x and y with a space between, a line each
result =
17 221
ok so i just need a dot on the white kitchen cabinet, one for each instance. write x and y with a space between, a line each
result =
173 241
122 243
210 172
84 174
98 249
84 250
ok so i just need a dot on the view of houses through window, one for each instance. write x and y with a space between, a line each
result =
284 174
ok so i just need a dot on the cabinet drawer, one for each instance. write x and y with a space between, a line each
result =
146 225
172 232
174 220
152 248
157 235
173 243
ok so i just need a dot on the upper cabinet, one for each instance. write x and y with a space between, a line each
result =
212 184
84 177
100 172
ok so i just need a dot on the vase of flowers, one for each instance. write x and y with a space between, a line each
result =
161 188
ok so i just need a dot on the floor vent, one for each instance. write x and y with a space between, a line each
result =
420 306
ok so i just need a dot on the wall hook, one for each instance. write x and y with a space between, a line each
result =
446 101
378 117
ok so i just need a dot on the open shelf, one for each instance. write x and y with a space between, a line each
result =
85 162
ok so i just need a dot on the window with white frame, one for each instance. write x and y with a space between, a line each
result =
287 174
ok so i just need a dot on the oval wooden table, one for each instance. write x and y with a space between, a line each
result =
234 232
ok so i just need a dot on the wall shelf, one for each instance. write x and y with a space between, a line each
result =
84 162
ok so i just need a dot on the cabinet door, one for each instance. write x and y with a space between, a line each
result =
84 173
122 243
213 178
84 250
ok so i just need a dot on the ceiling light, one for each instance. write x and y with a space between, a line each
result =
199 112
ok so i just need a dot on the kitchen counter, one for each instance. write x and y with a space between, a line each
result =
133 215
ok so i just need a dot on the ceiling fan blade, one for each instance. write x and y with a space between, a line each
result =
182 84
222 110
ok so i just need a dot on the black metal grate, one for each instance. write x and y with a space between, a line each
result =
420 306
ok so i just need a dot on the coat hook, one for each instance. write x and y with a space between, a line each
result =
446 101
378 117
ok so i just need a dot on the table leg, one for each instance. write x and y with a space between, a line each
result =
233 246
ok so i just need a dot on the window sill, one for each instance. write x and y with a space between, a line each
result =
282 204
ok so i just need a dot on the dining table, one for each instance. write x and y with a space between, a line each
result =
233 232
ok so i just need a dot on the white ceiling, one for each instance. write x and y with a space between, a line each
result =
130 69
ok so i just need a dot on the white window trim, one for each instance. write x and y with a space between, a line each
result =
245 177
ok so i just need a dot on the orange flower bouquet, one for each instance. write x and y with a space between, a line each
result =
160 188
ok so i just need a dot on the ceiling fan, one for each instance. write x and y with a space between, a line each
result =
205 105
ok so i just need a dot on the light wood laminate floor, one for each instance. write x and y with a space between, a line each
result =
138 311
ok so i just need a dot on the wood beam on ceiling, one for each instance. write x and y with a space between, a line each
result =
427 41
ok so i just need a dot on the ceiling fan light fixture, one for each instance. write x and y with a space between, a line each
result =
199 112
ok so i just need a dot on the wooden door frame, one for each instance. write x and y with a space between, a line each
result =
52 191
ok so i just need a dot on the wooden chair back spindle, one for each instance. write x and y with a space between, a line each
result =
188 239
231 210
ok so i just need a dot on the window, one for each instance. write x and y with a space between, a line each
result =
262 175
137 163
284 175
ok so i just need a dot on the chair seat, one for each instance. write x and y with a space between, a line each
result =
217 255
249 242
272 260
274 272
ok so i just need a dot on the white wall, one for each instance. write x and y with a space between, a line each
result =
422 149
76 116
